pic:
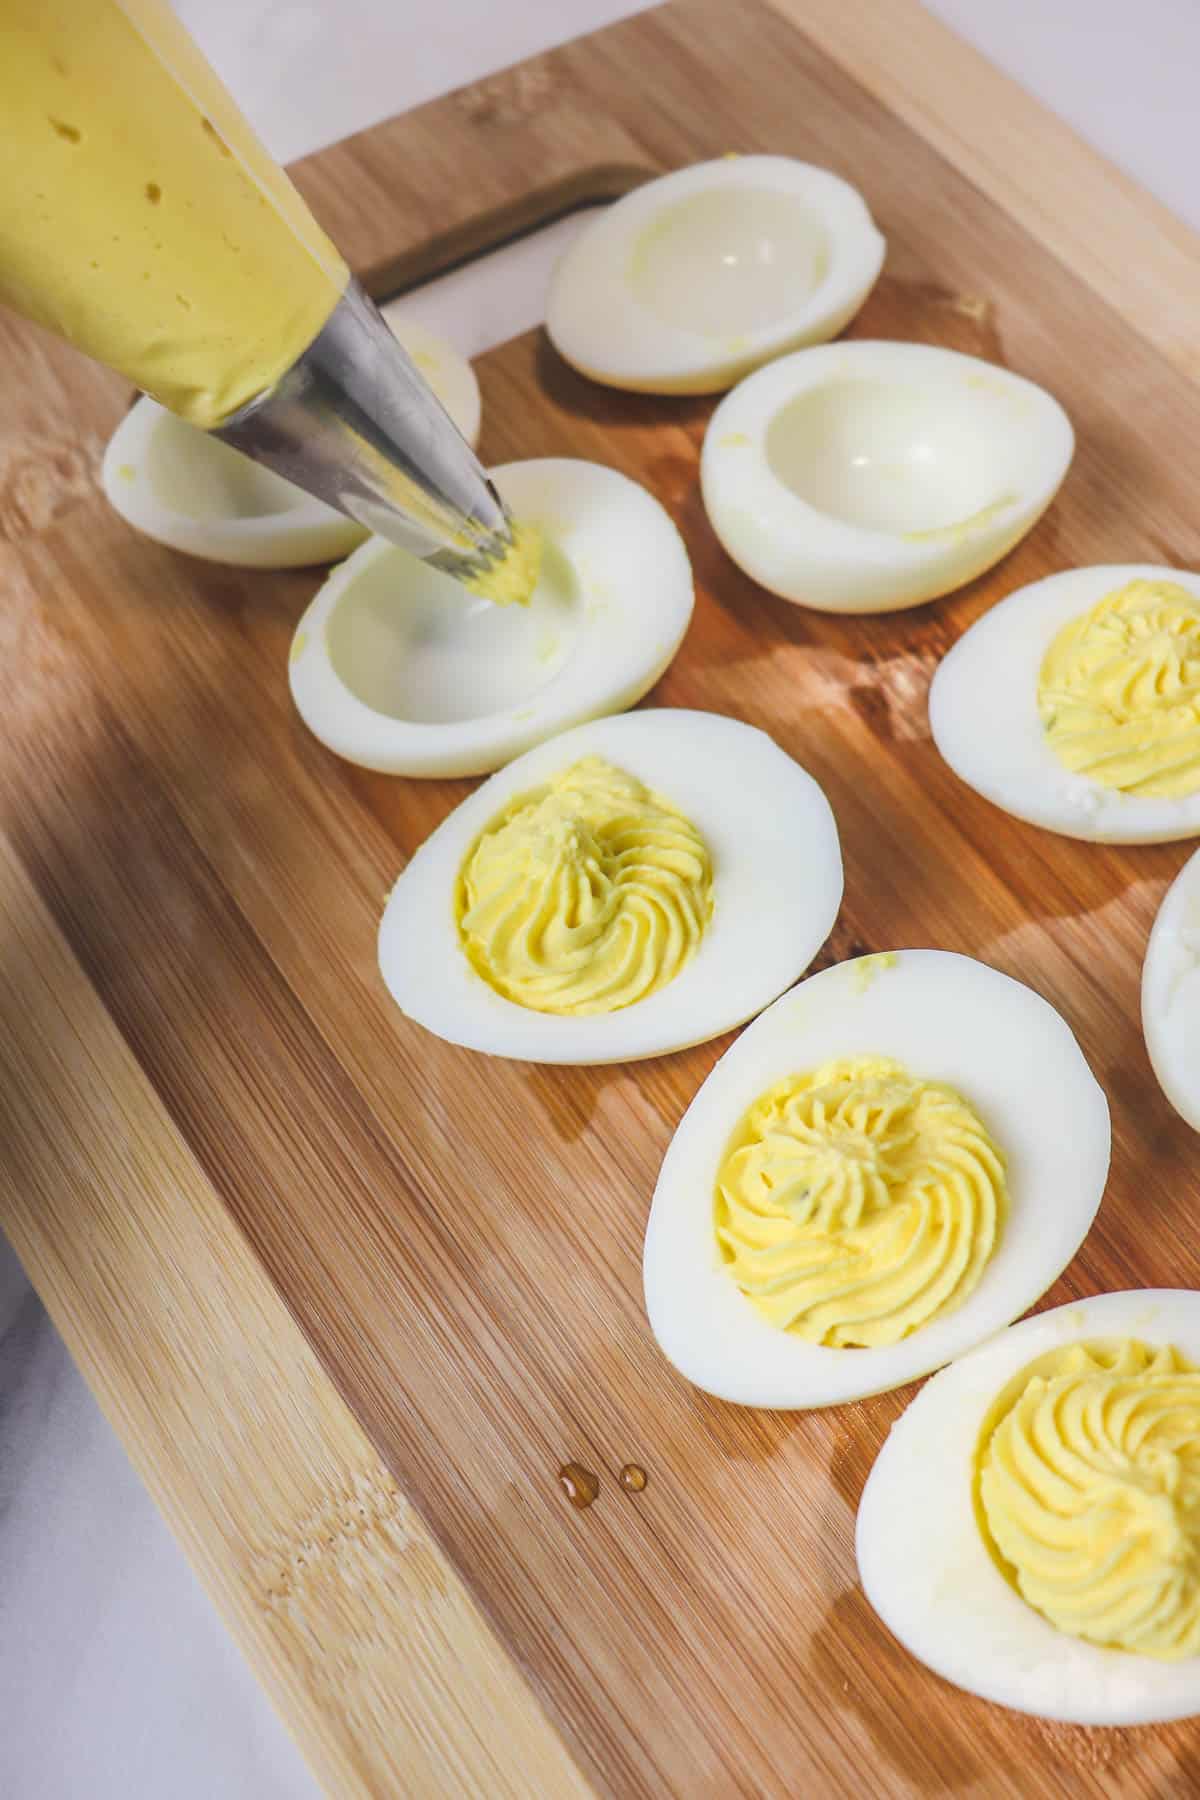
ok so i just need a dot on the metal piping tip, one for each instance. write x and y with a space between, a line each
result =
474 565
353 422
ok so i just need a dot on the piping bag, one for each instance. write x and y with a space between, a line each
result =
141 219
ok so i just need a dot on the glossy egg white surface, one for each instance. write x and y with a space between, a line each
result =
927 1571
690 281
946 1018
983 714
188 490
1171 993
866 477
777 886
397 667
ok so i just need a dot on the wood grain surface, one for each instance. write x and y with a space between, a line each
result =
351 1295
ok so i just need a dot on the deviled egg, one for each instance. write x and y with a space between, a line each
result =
188 490
633 886
1073 704
893 1162
397 667
865 477
1171 993
1030 1529
689 282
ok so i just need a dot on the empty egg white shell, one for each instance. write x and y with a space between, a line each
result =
926 1569
689 282
1024 1074
777 886
396 667
983 714
186 489
866 477
1171 993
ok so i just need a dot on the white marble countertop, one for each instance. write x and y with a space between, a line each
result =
117 1680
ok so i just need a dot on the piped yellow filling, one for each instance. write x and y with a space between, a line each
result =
1119 691
585 896
857 1203
511 582
1088 1493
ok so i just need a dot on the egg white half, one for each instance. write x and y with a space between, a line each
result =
924 1564
984 717
397 667
819 244
186 489
866 477
1171 993
946 1018
777 886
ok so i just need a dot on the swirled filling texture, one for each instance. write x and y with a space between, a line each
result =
856 1203
586 895
1089 1486
1119 691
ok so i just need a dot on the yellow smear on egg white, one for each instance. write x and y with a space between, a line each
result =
1088 1494
962 528
858 1202
1119 691
586 895
866 968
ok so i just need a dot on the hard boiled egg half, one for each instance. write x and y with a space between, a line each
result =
633 886
1073 704
1171 993
1030 1528
865 477
399 668
893 1162
689 282
188 490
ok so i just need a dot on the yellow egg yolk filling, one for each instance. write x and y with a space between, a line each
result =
857 1203
1088 1494
585 896
512 581
1119 691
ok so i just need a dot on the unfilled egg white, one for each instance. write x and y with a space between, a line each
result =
690 281
397 667
188 490
865 477
1171 993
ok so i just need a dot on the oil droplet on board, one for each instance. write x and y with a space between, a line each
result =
633 1478
579 1484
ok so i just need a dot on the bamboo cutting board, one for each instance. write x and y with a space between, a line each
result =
351 1296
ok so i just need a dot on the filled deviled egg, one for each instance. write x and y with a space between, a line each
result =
1030 1529
1074 704
629 888
893 1162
